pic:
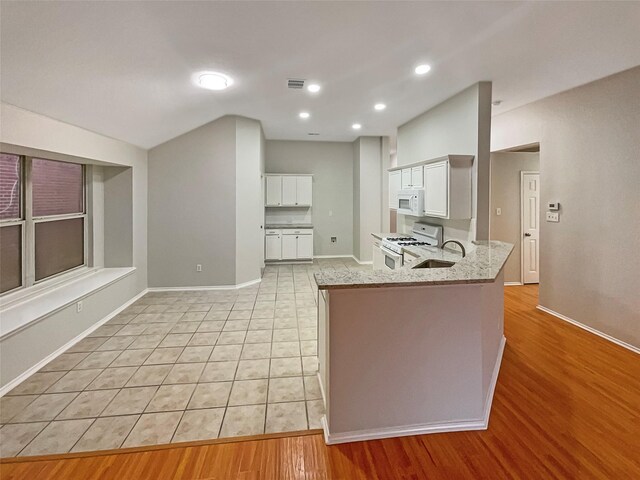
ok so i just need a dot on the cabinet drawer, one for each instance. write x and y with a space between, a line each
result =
272 232
307 231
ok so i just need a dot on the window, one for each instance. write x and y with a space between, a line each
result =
42 219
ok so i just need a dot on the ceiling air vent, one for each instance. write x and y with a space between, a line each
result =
295 83
313 133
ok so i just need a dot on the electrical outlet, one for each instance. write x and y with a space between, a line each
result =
334 239
498 211
553 217
198 268
79 306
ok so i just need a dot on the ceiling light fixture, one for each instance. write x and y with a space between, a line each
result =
314 88
214 81
422 69
356 126
379 106
304 115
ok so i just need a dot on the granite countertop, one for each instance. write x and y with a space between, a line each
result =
288 225
481 265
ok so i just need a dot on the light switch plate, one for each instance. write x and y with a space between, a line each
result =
553 217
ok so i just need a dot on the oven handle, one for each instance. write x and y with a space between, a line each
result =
393 255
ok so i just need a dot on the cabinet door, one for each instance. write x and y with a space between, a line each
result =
274 190
436 186
416 177
273 247
406 178
305 246
289 247
289 190
378 257
303 190
395 183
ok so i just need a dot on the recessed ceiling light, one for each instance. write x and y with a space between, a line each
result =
214 81
379 106
304 115
422 69
314 88
356 126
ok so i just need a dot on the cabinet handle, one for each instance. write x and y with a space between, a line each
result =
296 236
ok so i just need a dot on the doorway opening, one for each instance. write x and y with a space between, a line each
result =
515 210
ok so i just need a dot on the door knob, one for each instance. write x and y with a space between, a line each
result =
527 234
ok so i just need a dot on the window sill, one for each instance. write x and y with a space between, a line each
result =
17 315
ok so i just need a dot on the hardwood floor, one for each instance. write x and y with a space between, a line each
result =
567 405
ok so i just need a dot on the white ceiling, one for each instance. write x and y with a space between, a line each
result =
124 69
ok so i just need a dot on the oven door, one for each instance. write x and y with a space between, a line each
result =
392 260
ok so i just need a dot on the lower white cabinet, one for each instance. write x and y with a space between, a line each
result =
273 245
289 244
378 256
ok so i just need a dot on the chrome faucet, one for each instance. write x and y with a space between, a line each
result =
464 252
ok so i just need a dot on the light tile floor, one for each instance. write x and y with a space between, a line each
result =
180 366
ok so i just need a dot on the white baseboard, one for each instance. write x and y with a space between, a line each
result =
216 287
494 381
512 284
333 256
367 262
22 377
421 429
589 329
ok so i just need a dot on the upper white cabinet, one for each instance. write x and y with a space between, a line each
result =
274 191
395 183
303 190
446 182
436 191
447 188
412 177
288 190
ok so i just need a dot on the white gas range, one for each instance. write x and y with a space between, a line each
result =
422 235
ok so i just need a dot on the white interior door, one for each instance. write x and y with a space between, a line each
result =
530 227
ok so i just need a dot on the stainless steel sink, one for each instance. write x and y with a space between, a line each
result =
432 263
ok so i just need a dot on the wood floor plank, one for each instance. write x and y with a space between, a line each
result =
566 406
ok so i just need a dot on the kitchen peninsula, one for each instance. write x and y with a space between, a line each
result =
413 350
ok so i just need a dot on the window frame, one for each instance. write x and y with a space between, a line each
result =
28 223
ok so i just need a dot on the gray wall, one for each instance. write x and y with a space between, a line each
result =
331 164
192 208
589 162
505 194
367 194
118 216
40 135
459 125
249 201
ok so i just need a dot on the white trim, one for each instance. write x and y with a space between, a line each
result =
22 377
589 329
512 284
366 262
333 256
211 287
422 429
324 398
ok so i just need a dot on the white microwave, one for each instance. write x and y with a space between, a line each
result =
411 202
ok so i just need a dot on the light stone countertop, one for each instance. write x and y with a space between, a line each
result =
481 265
272 226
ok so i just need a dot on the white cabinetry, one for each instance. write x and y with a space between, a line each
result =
297 244
378 256
406 178
273 245
304 190
289 190
416 177
395 182
274 191
447 185
289 244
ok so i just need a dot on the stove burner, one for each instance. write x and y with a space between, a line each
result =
412 244
401 239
